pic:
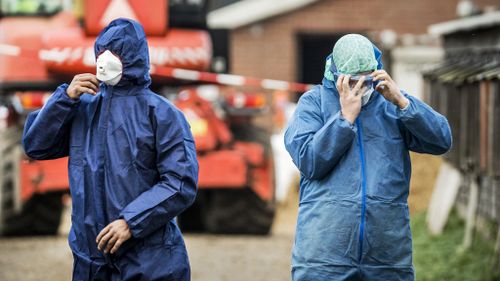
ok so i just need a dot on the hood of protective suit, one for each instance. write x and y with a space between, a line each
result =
126 39
330 66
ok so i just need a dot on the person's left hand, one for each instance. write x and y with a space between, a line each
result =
389 89
113 236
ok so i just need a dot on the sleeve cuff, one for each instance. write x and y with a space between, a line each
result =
406 112
407 106
63 95
133 226
343 121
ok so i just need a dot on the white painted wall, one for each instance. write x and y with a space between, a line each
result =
409 63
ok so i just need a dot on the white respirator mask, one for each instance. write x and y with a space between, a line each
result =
109 68
366 95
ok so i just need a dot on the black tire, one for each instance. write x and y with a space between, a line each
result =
238 212
191 220
41 215
241 211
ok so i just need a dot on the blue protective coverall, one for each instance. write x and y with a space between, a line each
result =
353 221
131 156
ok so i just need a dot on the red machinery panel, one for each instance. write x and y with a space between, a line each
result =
31 48
21 40
69 51
263 181
261 173
152 14
254 152
43 176
222 169
209 131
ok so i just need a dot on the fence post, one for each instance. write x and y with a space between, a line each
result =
471 210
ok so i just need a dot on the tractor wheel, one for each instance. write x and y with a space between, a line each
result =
41 215
241 211
238 212
191 220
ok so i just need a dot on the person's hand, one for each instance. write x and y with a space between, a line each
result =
389 89
350 99
83 83
113 236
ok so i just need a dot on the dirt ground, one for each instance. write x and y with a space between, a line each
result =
213 257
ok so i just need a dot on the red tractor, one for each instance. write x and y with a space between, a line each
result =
42 45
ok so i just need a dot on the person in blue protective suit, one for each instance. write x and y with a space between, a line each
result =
132 163
350 137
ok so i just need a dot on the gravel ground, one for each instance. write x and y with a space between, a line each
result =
213 257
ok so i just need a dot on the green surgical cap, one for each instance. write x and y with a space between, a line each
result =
353 53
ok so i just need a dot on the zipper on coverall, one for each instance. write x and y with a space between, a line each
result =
363 188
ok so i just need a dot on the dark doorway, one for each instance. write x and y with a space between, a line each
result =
312 52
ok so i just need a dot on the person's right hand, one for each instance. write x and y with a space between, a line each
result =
83 83
350 99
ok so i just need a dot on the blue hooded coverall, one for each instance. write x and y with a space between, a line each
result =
131 156
353 221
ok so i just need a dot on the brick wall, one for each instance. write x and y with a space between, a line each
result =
269 49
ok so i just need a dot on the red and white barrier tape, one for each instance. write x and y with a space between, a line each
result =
229 79
177 73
